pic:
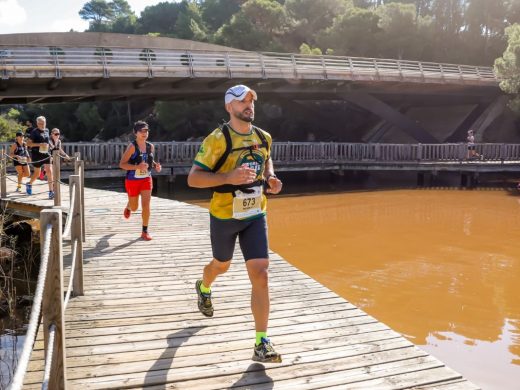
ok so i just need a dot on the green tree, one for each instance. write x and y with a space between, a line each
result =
114 16
512 11
120 8
310 17
183 121
306 49
189 24
160 18
258 25
96 11
507 67
354 33
216 13
88 116
485 22
399 25
9 125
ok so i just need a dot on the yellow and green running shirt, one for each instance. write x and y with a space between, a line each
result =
214 146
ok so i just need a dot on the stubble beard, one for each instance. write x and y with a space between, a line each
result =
244 117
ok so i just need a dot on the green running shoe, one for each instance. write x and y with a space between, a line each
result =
265 353
204 300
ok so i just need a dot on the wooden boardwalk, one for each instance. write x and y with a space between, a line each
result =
138 326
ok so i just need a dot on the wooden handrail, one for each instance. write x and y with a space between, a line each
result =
3 172
105 155
50 282
56 177
52 305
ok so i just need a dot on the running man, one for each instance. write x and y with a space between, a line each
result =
138 161
20 156
234 160
38 141
472 153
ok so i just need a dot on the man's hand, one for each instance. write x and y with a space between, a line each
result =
143 166
157 167
275 185
241 175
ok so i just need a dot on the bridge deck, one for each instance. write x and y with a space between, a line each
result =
138 324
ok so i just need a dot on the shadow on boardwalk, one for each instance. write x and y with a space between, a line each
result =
254 377
158 373
103 247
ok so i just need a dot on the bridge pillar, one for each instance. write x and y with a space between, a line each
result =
390 115
463 180
433 178
420 179
469 180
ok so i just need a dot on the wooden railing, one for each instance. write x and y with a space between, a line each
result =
183 153
49 296
302 155
105 62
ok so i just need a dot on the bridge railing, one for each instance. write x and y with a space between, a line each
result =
108 154
50 300
182 153
108 62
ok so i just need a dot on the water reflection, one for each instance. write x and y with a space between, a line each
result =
441 267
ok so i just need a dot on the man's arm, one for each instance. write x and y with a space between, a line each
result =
31 143
275 184
199 178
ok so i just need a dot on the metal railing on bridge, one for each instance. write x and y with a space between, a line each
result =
50 301
182 153
105 62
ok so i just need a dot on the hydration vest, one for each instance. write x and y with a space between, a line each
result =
21 150
225 188
137 157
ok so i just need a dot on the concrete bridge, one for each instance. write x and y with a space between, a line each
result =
44 68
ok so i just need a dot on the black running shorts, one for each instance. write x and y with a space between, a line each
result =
39 159
252 236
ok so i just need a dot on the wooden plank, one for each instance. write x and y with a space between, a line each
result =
138 322
333 347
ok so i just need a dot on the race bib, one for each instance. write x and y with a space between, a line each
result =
247 205
44 148
22 159
140 174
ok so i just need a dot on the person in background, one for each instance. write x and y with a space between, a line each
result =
235 161
472 153
55 144
20 156
138 161
39 143
29 127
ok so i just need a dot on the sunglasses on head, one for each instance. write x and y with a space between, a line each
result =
144 130
55 133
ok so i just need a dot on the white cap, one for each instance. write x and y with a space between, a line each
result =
238 92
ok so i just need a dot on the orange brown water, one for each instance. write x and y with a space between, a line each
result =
440 266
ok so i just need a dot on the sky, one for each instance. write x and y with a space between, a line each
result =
23 16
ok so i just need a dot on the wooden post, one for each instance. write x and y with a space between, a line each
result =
79 169
52 302
3 174
82 199
76 234
56 177
77 156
